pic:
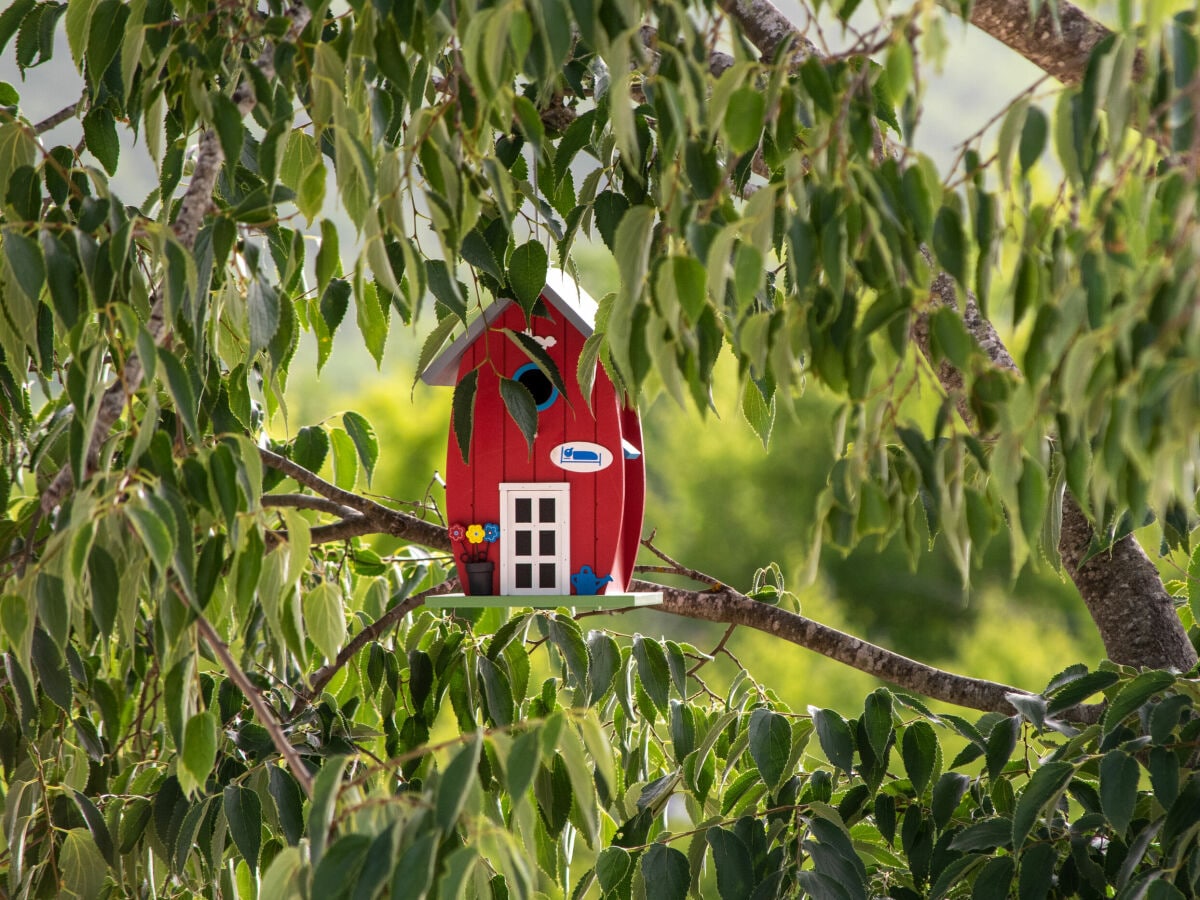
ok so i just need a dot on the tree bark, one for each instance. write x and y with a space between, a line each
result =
1121 587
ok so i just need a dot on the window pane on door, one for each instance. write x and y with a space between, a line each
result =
548 573
546 509
524 575
524 509
545 543
524 543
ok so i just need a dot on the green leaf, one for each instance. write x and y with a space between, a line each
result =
180 386
994 880
522 763
25 257
735 869
612 865
652 669
244 814
497 690
949 243
310 447
80 865
521 406
447 289
365 442
96 826
230 130
1001 743
1119 776
340 866
289 802
345 459
666 871
833 733
11 18
1134 694
262 304
100 136
455 783
463 407
198 754
414 873
770 746
154 534
373 320
1033 138
609 208
877 721
759 411
581 774
744 118
604 657
1042 791
947 794
325 618
527 268
285 875
326 787
565 636
986 835
537 353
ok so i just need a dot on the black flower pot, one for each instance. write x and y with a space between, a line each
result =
479 577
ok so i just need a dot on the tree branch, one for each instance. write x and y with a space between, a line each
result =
306 501
1059 51
257 703
325 674
730 607
192 209
1121 588
382 519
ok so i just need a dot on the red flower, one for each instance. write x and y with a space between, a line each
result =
458 533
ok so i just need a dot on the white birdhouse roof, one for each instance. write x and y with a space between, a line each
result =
560 291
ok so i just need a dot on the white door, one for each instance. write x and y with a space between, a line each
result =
535 538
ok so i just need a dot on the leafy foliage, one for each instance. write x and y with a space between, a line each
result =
209 689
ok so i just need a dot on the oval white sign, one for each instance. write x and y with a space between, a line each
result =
581 456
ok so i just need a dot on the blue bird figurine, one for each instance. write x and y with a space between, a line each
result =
585 581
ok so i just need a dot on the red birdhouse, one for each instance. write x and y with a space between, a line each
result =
559 524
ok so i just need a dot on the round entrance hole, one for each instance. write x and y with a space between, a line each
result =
543 390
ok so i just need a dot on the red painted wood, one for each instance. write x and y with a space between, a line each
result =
635 499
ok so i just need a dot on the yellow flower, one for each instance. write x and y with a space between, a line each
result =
475 534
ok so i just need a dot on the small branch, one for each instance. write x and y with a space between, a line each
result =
383 520
261 710
351 527
325 674
307 501
55 119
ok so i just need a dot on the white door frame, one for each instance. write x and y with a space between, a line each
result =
559 526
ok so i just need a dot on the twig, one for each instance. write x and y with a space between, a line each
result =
55 119
306 501
720 648
261 710
324 674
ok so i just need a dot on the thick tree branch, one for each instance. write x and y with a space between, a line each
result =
1121 587
1059 51
728 606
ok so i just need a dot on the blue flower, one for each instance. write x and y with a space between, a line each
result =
491 532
